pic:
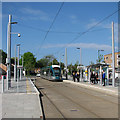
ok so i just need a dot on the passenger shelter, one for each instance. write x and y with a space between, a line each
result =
99 67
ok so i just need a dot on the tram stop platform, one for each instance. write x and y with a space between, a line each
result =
21 100
108 89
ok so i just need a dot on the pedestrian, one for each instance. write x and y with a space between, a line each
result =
92 78
103 78
78 76
74 76
96 77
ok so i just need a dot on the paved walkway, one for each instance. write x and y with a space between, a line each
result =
108 89
21 100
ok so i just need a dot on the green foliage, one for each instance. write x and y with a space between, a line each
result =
3 56
100 59
54 62
47 61
29 61
62 65
42 63
70 68
12 60
91 63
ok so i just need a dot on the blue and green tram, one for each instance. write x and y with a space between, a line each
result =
52 73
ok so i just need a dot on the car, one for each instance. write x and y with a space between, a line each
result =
38 75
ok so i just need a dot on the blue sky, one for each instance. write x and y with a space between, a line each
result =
74 18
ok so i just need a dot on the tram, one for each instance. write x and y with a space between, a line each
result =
52 73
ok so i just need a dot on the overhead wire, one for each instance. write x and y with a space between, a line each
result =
61 32
88 30
51 25
77 37
52 31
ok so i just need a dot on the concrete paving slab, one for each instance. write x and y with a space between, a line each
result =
106 89
21 100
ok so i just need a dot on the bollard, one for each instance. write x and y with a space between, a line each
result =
17 86
2 84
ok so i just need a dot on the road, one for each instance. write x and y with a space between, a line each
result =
65 100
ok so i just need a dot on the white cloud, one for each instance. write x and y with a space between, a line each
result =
81 45
91 24
105 25
74 19
32 11
35 14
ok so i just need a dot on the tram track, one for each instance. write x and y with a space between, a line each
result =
76 103
85 93
63 117
69 98
92 94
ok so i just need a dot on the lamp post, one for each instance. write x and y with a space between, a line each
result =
66 63
80 56
9 52
21 68
99 54
18 61
15 67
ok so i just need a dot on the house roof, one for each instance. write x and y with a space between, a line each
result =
3 67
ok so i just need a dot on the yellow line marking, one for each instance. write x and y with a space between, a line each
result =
28 86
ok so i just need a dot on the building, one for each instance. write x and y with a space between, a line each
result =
108 59
3 69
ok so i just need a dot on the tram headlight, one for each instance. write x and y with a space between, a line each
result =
53 77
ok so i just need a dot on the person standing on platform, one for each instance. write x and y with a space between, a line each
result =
103 78
92 78
78 76
96 77
74 76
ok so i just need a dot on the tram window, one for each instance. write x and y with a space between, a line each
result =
119 56
57 70
118 62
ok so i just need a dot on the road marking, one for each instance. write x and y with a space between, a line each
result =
28 86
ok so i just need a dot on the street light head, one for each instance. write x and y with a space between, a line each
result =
100 50
14 22
18 44
78 48
19 35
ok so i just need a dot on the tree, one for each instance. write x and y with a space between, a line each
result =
29 61
54 62
3 56
42 63
70 68
91 63
62 65
46 61
100 59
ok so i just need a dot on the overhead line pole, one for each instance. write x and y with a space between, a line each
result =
88 30
15 68
113 57
66 63
9 53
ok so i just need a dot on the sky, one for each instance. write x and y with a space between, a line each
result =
68 30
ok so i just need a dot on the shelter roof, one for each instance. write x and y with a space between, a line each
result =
98 65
